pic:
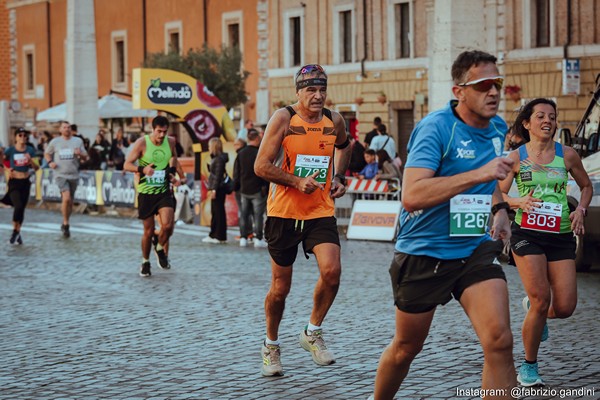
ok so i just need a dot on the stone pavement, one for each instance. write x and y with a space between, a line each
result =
77 322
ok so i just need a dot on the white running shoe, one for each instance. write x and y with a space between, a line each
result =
260 243
209 239
243 242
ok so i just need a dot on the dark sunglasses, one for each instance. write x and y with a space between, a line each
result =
22 134
307 69
485 84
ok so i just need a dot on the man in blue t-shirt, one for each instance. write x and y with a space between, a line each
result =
444 247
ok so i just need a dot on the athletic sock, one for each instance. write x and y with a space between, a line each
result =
530 362
158 247
271 342
310 328
145 260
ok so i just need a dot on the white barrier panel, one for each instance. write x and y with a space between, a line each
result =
374 220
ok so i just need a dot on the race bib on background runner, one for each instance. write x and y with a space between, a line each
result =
546 218
20 160
66 154
157 178
469 214
306 165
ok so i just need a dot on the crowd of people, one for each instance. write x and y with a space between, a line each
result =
297 167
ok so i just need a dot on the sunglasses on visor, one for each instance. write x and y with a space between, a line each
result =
307 69
485 84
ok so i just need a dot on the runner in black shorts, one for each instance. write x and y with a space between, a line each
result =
444 249
157 160
150 204
284 235
543 241
304 154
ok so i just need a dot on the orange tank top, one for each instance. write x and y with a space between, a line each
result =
306 149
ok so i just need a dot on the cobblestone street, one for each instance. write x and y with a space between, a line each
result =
78 322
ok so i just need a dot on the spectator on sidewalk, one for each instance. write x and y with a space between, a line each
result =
357 157
373 133
387 168
384 141
370 170
217 192
118 150
253 191
243 133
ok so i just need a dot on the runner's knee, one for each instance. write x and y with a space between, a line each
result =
280 287
564 309
497 339
331 274
404 351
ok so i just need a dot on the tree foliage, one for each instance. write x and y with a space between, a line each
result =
220 71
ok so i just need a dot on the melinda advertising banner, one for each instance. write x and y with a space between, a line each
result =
204 117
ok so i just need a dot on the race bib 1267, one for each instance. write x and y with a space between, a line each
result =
469 214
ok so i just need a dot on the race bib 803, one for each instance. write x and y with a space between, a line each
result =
546 218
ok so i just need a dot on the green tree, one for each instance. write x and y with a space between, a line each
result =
220 71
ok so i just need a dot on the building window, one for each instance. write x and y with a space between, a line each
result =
29 77
538 23
173 37
402 24
542 19
119 60
29 71
344 44
233 29
400 27
293 40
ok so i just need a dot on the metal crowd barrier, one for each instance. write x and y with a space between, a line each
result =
365 189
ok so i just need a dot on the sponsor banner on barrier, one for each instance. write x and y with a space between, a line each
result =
3 185
49 188
118 189
374 220
87 189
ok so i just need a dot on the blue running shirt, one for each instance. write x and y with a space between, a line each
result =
443 143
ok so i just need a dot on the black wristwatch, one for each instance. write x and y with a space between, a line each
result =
342 178
503 205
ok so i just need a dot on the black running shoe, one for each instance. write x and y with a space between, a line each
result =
19 238
145 269
13 237
163 260
65 231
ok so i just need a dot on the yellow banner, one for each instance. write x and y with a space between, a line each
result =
185 97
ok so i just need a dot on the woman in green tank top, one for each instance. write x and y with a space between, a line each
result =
542 241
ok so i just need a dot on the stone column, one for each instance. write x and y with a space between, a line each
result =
263 107
81 78
455 26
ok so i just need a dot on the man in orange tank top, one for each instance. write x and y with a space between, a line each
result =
304 154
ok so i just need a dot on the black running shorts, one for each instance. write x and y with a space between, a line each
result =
149 204
556 246
420 283
284 235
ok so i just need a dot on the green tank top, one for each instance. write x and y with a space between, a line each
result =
159 156
549 182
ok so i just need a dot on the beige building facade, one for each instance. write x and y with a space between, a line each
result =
387 58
